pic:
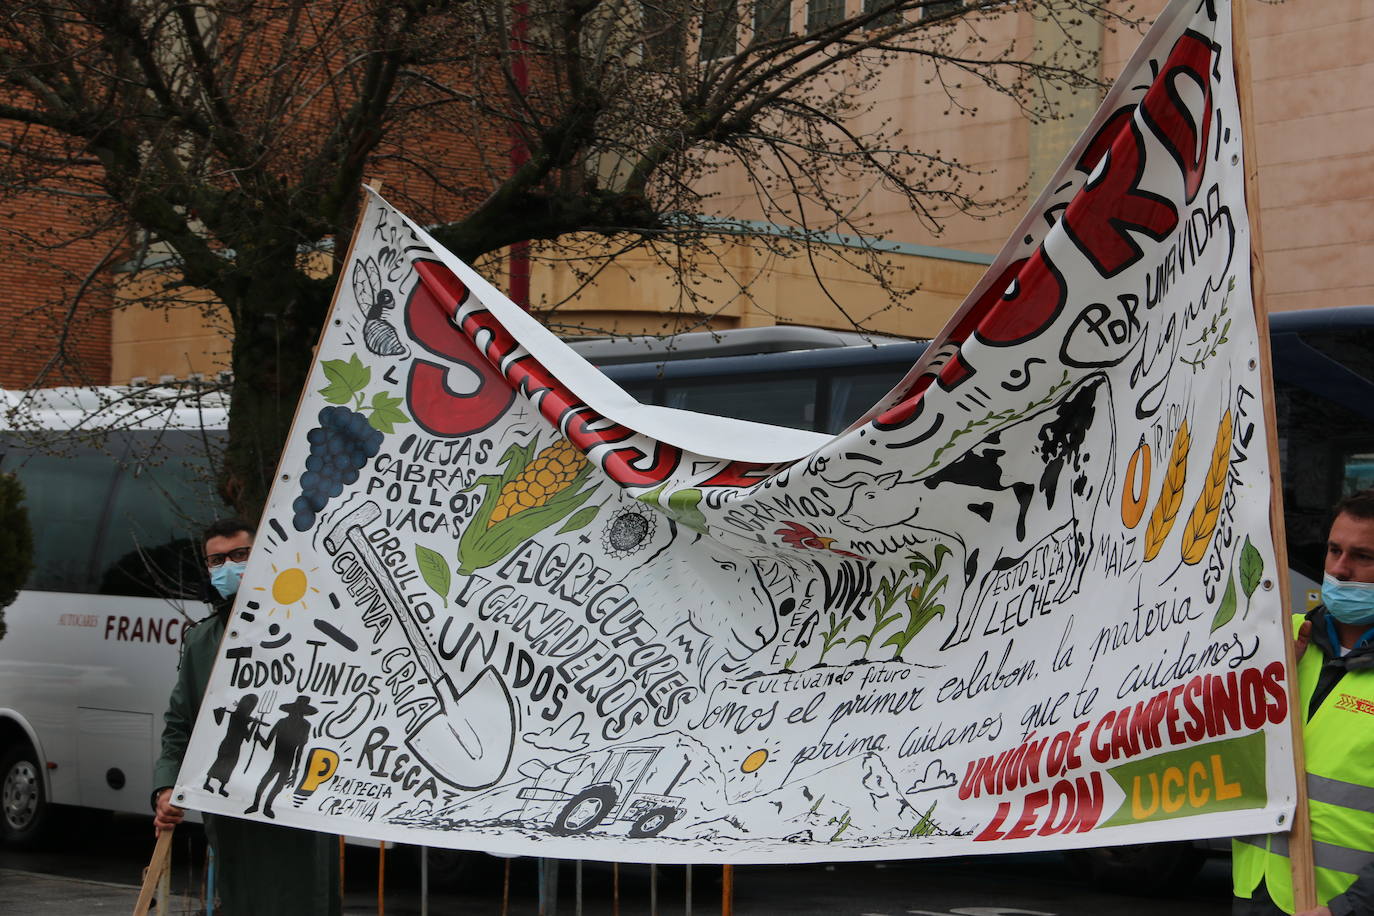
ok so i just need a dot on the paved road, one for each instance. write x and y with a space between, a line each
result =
98 871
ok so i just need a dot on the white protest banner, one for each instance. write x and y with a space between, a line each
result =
1026 603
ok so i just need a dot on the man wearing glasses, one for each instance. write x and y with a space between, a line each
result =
262 869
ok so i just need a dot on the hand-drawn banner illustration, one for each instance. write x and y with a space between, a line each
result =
1028 601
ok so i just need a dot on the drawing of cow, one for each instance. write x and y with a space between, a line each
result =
1000 505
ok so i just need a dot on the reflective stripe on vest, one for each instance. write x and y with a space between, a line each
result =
1324 855
1338 792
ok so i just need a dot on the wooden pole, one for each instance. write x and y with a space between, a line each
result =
727 890
162 854
1300 830
164 890
381 878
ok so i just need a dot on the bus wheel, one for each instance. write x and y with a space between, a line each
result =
24 809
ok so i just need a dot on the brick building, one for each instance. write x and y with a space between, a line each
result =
37 286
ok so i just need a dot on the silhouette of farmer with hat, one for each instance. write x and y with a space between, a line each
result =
287 739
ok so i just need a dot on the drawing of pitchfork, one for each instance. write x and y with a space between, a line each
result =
269 703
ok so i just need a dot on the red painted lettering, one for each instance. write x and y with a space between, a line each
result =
437 408
990 832
1032 295
1273 684
740 474
1167 115
1110 207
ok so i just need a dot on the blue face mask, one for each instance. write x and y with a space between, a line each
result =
226 577
1349 602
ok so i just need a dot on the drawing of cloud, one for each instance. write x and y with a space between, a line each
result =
936 777
567 736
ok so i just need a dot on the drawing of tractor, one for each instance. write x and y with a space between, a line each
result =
592 794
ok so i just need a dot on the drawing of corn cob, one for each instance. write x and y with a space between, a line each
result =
532 493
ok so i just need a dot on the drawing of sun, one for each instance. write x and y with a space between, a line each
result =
289 587
754 761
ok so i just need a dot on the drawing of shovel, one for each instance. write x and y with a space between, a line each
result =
468 736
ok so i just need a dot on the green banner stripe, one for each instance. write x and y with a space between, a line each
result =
1221 776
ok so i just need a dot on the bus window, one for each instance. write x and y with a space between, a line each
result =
852 394
643 392
66 496
1359 473
1325 407
780 401
164 497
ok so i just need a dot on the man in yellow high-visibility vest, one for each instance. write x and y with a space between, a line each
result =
1335 644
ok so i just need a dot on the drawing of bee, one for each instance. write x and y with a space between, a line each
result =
374 299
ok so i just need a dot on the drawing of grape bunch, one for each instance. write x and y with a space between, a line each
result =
349 436
532 493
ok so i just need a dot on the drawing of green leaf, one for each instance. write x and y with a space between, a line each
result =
922 606
336 393
435 571
1251 568
580 519
1227 609
881 602
925 825
680 506
385 417
382 401
346 379
831 637
998 417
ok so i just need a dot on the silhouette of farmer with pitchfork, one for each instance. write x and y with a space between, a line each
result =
242 728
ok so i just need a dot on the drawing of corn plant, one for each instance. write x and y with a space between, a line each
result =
532 493
921 603
889 590
831 637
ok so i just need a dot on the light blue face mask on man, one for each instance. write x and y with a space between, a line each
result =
226 577
1349 602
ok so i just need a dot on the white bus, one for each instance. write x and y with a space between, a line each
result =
93 639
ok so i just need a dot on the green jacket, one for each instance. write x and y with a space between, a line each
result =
198 650
261 869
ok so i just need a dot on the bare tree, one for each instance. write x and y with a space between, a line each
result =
225 141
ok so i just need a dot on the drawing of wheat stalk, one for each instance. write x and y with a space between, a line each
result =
1197 534
1170 495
